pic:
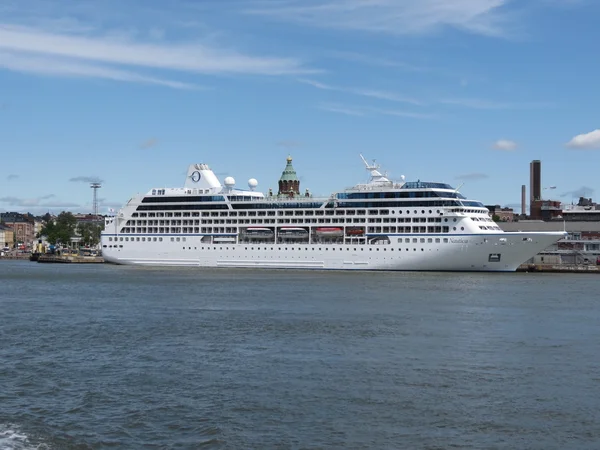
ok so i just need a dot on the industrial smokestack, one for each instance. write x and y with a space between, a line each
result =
535 180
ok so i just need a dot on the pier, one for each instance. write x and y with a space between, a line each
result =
559 268
70 259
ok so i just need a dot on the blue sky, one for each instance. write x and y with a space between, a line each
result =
132 91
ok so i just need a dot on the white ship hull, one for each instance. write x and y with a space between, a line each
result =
502 252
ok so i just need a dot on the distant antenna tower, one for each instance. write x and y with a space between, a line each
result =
95 187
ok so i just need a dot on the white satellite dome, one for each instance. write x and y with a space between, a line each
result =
252 183
229 182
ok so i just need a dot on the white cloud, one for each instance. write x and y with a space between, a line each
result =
396 17
32 50
378 94
584 141
505 144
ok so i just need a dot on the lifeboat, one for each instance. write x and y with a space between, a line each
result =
330 231
259 232
292 231
355 231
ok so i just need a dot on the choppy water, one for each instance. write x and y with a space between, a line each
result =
122 357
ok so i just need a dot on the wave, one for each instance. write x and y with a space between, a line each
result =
12 438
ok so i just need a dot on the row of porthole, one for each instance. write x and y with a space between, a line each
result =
143 239
279 248
299 248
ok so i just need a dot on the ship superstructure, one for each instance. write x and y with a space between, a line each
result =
378 225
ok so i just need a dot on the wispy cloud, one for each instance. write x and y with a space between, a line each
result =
68 68
86 179
112 56
476 103
12 176
505 145
149 143
367 111
341 109
373 93
35 202
585 141
376 61
394 17
472 176
583 191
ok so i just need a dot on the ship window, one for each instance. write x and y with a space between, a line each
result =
494 257
178 239
159 239
445 240
437 240
110 239
462 228
429 240
172 239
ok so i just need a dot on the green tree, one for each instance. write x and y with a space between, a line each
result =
61 230
496 218
90 233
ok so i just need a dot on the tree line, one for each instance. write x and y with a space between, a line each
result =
65 227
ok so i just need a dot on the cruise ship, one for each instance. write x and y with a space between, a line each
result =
377 225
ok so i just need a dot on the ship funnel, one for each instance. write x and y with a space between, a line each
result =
200 176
